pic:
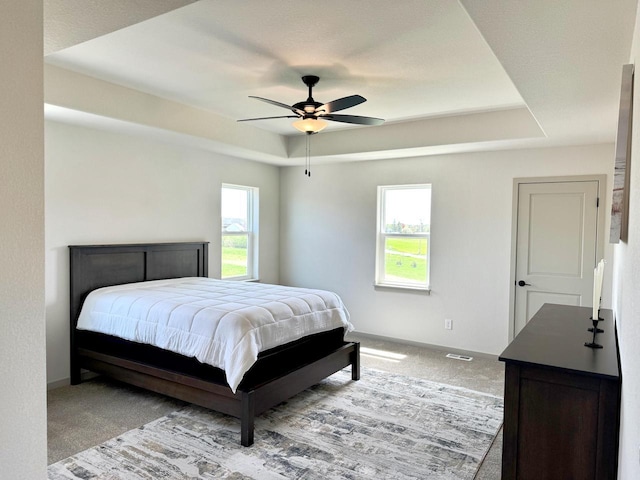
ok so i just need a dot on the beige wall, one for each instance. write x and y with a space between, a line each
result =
23 433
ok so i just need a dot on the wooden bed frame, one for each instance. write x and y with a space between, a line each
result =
278 374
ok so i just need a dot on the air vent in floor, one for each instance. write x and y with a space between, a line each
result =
459 357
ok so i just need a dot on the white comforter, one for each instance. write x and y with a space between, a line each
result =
221 323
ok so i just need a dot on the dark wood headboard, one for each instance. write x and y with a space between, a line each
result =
95 266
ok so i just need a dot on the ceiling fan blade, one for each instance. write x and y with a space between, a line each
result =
278 104
267 118
353 119
341 104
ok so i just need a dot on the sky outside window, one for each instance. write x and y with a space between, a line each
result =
410 206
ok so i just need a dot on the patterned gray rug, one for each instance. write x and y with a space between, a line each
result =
383 426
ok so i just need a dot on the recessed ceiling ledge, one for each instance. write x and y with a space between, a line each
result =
74 91
509 124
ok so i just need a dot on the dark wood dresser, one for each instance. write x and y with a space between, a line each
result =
562 399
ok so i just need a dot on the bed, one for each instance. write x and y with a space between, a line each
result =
280 371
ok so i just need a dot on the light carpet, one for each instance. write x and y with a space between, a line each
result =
383 426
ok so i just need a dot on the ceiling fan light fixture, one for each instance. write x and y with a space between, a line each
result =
309 125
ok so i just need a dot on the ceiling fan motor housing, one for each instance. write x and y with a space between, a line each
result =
309 107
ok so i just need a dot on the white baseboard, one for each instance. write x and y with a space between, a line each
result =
85 375
58 384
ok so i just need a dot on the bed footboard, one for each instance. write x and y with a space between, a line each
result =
268 395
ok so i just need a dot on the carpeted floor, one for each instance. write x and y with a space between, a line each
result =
86 415
385 426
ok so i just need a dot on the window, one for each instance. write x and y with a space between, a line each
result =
239 212
403 243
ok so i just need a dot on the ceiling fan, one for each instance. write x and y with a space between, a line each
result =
311 114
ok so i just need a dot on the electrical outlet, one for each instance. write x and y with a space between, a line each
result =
448 324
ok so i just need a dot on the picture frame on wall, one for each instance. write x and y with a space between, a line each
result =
620 196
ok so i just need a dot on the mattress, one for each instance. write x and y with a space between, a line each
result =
220 323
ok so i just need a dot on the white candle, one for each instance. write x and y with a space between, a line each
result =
600 285
594 313
598 277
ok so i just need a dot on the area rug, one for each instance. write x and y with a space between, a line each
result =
384 426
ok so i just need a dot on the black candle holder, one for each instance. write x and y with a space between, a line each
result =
595 330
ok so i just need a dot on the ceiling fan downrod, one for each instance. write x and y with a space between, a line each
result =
310 106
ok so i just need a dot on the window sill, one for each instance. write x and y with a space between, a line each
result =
408 288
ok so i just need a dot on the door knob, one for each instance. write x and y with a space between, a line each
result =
522 283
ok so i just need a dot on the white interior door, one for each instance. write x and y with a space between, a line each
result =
556 243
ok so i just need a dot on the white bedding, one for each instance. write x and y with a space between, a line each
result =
221 323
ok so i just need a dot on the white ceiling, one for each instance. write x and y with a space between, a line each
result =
426 66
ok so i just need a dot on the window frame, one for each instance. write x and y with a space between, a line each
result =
251 232
381 237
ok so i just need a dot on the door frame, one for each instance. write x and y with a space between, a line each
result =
600 227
